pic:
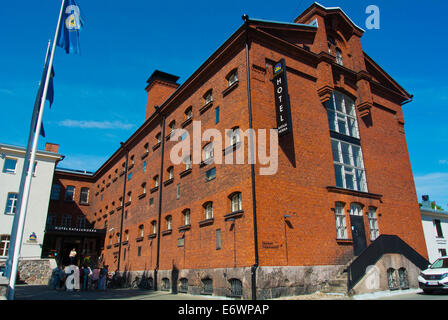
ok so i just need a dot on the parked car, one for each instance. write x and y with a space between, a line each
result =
435 278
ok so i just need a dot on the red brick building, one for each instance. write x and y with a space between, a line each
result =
344 175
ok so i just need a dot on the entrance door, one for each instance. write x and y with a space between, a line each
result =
358 231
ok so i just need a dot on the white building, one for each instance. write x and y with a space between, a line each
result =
12 159
435 228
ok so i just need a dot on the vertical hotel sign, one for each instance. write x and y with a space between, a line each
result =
282 106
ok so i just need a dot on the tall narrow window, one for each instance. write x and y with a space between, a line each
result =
66 220
341 226
235 201
172 127
208 151
208 209
158 138
168 222
170 173
154 227
186 217
84 197
4 244
339 57
155 181
373 224
187 161
189 113
11 203
208 97
438 228
218 239
70 193
217 115
141 231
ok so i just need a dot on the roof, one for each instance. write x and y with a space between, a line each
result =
22 150
160 75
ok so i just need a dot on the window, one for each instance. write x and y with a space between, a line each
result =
218 239
129 196
4 244
146 148
217 115
129 176
11 203
186 217
168 222
178 191
170 173
84 198
341 226
208 97
348 166
341 115
154 227
183 285
158 138
126 235
144 166
51 220
232 77
70 193
339 57
187 161
165 284
236 288
403 278
189 113
132 161
208 210
144 188
81 222
55 192
235 202
139 251
210 174
442 252
9 165
438 228
373 224
141 231
172 127
208 151
155 181
207 286
234 136
66 220
392 279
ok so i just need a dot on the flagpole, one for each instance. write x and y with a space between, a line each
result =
25 166
26 190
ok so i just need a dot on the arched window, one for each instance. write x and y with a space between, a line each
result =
236 288
403 277
391 279
236 202
126 235
168 220
183 285
339 56
155 181
172 126
208 151
154 227
170 171
207 286
189 113
355 209
208 210
232 77
158 138
141 230
208 97
186 217
165 284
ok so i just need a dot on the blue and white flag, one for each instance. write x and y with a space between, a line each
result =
71 24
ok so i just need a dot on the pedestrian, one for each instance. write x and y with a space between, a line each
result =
56 277
72 256
95 277
85 280
61 277
103 277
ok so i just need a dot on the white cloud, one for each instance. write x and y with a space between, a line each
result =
435 185
82 162
90 124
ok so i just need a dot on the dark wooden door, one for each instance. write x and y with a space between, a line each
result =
358 234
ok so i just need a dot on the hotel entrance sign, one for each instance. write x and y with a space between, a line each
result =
282 106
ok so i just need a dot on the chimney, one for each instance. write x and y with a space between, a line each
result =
426 203
52 147
160 86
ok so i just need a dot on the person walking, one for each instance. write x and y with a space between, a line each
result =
103 277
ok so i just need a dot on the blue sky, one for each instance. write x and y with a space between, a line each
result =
100 98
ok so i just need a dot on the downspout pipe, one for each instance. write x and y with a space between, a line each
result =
156 269
126 150
254 267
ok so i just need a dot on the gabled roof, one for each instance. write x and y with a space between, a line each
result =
317 7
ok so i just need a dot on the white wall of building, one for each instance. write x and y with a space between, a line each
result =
41 183
433 242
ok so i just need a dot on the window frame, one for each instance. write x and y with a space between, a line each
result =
9 170
341 221
11 203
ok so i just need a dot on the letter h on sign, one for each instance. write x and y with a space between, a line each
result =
284 125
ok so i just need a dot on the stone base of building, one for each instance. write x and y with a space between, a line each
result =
271 282
36 271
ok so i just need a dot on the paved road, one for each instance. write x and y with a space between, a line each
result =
30 292
418 296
